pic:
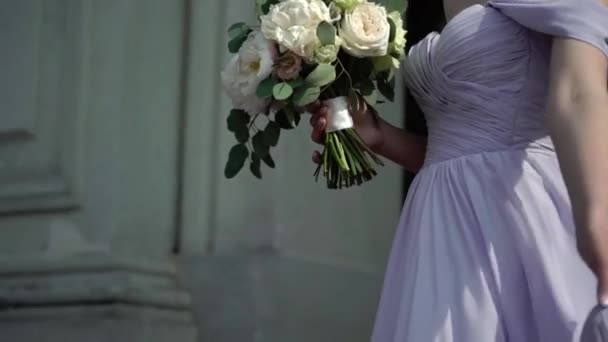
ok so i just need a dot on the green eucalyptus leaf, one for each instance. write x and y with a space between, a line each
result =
266 6
322 75
255 166
393 5
237 30
306 95
296 83
282 119
258 7
269 161
260 146
272 133
282 91
235 44
326 33
265 88
386 87
242 134
237 120
293 117
236 159
365 86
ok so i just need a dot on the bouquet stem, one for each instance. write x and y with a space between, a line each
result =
346 159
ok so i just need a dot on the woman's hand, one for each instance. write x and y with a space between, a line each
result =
394 143
592 240
366 122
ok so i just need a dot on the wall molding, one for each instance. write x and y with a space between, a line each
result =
96 279
39 145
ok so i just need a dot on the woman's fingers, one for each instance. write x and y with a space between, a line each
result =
316 157
318 131
313 107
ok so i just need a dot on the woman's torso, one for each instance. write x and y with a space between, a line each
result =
481 84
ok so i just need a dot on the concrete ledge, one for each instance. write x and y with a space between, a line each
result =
92 297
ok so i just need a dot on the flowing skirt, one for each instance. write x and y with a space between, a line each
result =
485 251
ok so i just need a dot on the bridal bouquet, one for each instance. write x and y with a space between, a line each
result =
341 52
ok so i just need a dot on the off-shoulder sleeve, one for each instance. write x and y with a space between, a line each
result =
585 20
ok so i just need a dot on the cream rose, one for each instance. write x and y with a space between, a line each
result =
293 24
241 77
365 31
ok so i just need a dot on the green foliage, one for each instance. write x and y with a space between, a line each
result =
293 116
326 33
265 88
306 95
238 30
347 161
237 120
236 159
237 33
260 146
322 75
268 161
272 133
287 118
282 91
242 134
365 86
386 86
394 5
298 82
265 5
255 166
235 44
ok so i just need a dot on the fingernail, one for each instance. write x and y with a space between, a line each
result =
604 302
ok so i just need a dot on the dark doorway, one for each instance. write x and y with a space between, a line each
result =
423 17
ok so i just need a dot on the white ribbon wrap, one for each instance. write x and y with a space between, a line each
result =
339 116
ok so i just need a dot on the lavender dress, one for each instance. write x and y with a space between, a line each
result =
485 249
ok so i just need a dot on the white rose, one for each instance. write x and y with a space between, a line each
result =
245 71
365 31
293 24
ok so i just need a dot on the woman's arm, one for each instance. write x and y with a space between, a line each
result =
577 117
396 144
401 146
